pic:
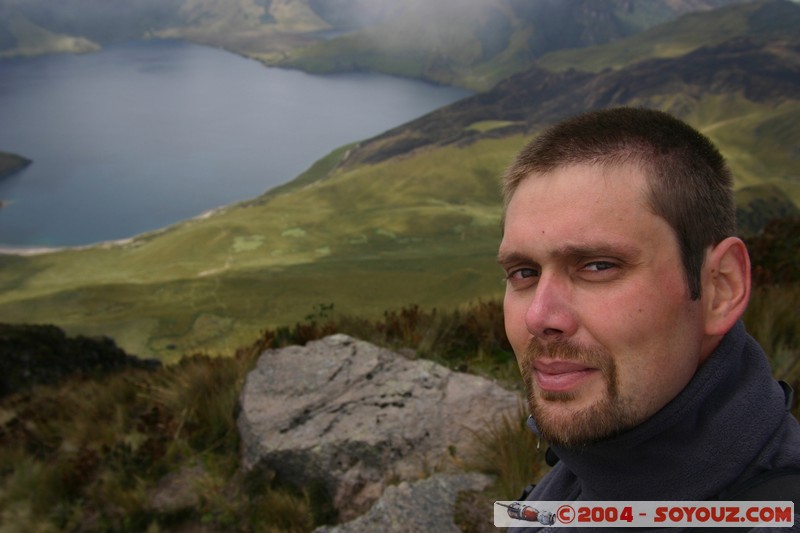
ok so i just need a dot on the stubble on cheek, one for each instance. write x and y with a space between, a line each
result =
559 422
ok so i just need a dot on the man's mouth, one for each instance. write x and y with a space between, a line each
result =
559 375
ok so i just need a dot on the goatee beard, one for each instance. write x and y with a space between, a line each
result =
568 428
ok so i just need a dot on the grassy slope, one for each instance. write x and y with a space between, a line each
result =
421 230
673 39
416 229
755 139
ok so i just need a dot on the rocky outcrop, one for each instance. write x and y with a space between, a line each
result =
44 355
11 163
354 418
427 505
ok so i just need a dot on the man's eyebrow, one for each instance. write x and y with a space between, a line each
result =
621 251
510 258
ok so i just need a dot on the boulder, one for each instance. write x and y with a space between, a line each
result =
177 491
355 418
427 505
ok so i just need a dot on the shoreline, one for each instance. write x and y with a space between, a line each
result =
28 250
23 250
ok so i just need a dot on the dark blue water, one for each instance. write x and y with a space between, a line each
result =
140 136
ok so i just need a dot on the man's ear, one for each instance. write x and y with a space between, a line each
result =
726 285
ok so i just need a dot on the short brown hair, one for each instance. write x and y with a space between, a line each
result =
690 185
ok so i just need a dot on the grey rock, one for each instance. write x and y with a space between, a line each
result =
356 418
426 505
177 491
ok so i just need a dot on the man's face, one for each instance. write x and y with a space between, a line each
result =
597 307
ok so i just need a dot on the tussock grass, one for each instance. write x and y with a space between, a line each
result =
772 319
468 339
508 450
204 392
91 455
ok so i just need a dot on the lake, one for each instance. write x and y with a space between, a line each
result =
143 135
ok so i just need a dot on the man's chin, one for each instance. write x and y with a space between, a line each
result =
568 423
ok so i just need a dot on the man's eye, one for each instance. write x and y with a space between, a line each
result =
599 266
522 273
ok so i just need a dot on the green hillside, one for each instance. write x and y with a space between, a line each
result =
762 20
397 232
743 93
409 217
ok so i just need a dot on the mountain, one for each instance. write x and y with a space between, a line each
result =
478 42
21 37
759 80
242 25
407 217
763 20
472 43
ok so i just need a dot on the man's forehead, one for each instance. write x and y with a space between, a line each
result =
581 210
579 186
594 174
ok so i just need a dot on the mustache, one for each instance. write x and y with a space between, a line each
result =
567 351
593 357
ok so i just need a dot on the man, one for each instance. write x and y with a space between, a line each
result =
625 288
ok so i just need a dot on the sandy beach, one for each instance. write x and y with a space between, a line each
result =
39 250
23 250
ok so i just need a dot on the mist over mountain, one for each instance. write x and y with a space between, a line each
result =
463 42
97 22
475 43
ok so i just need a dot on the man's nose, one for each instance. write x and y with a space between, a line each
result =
550 314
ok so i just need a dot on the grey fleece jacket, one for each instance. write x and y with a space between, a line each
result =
729 424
